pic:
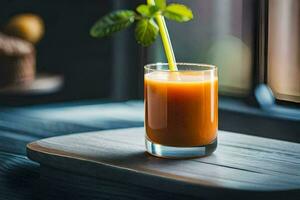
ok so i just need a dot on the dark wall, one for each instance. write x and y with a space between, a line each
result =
92 68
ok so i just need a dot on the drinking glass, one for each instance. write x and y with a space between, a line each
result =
181 110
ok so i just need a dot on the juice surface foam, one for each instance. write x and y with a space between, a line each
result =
180 77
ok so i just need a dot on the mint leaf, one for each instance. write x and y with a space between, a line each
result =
147 10
144 10
161 4
178 12
113 22
146 31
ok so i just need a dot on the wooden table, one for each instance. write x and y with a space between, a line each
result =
21 178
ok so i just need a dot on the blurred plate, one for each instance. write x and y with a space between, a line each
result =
43 84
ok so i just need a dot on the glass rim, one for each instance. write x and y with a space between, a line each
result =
209 66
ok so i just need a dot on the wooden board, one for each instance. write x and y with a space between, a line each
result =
241 165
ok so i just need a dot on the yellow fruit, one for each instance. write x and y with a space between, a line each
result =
29 27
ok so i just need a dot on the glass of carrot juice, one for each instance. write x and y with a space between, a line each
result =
181 110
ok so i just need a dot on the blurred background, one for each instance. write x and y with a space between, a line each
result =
226 33
255 44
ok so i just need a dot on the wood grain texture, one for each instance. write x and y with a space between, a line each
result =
18 177
19 126
241 165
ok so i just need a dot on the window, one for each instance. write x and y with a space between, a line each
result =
284 49
233 34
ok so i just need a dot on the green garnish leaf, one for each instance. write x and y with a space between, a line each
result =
146 31
113 22
147 10
178 12
161 4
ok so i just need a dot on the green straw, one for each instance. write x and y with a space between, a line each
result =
165 39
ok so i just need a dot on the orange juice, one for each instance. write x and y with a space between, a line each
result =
181 108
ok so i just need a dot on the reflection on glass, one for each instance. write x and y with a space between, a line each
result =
284 49
221 34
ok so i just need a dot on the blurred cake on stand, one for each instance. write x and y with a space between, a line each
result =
17 61
18 74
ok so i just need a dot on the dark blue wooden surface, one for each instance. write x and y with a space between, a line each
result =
20 177
19 126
